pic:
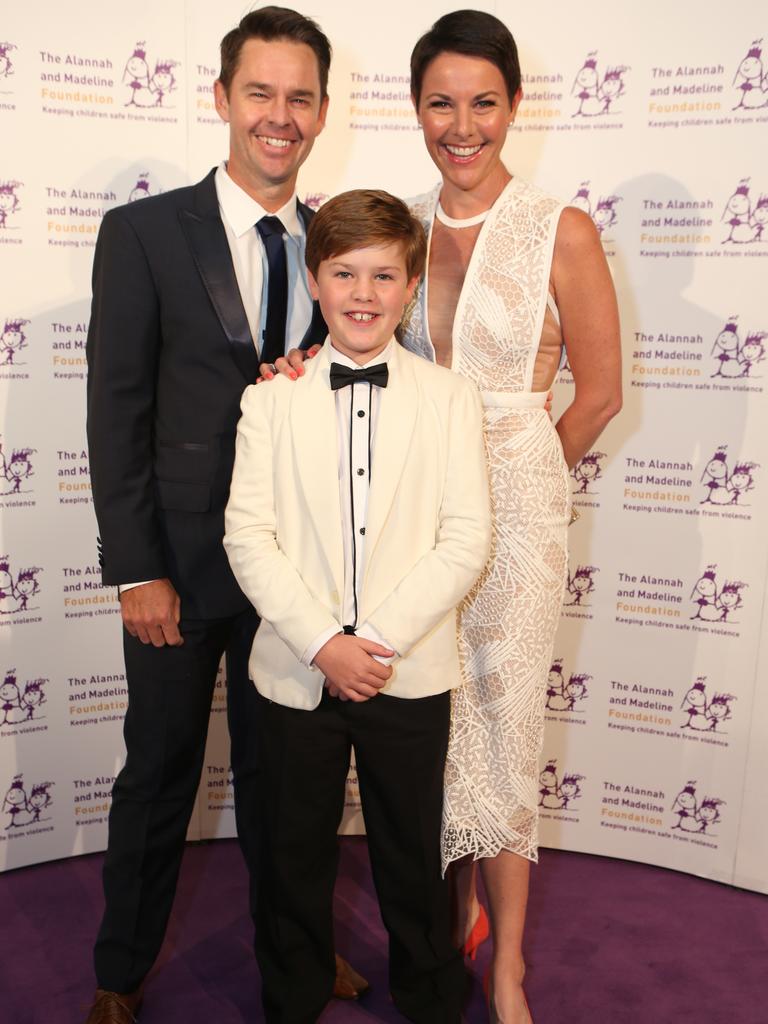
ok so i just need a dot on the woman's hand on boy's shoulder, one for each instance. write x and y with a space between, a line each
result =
290 366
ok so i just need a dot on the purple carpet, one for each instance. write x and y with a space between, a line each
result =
608 942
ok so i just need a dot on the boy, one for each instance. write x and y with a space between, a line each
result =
358 518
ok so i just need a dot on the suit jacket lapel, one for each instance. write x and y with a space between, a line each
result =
394 433
313 421
317 331
207 239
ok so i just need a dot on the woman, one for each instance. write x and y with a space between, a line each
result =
511 276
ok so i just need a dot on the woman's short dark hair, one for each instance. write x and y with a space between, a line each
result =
474 34
271 23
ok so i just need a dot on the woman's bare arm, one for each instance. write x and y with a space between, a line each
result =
589 316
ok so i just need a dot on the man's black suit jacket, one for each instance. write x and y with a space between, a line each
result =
169 354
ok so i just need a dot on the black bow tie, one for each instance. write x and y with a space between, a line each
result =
343 375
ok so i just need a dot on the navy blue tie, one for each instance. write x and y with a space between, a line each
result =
273 335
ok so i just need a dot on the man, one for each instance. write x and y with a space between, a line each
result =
187 297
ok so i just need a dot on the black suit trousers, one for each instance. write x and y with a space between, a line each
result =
400 747
170 690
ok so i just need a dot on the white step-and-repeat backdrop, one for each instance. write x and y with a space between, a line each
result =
653 119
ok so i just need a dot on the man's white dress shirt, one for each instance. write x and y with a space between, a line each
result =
239 214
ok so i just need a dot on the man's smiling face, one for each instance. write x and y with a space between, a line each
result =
275 112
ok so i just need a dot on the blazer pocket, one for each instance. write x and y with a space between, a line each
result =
183 474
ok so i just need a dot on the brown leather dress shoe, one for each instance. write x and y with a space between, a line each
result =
348 984
114 1007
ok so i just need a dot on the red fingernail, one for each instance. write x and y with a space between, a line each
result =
293 375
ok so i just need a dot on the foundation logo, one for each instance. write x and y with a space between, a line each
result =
746 219
751 80
725 484
15 470
314 200
714 603
22 809
10 204
6 64
17 595
703 714
148 88
587 472
565 696
602 209
557 794
580 585
598 96
19 705
12 341
694 815
141 189
735 358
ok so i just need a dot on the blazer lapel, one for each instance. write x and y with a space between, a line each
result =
394 434
317 331
313 421
207 239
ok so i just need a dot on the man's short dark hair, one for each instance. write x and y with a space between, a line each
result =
473 34
270 24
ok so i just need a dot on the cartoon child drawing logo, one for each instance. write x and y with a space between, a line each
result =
727 350
145 89
693 816
136 77
597 96
12 341
9 201
15 595
587 470
703 714
606 215
558 795
713 605
15 804
581 200
314 200
26 810
162 82
704 594
715 479
745 224
752 352
17 470
10 700
751 79
562 696
39 800
580 584
725 486
141 189
6 67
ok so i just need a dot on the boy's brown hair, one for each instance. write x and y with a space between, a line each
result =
363 218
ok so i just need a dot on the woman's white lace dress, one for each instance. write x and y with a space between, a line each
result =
508 621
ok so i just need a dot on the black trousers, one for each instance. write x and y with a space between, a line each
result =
400 748
170 690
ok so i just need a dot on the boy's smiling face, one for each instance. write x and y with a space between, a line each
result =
362 295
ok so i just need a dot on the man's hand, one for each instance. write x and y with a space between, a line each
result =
291 366
350 670
151 612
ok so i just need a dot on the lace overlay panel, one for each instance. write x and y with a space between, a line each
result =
507 623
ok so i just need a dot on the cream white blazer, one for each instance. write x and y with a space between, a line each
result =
427 535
